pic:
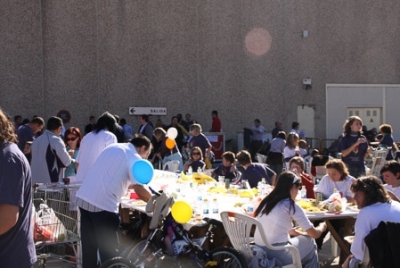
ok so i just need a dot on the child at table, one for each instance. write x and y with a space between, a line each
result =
227 168
195 160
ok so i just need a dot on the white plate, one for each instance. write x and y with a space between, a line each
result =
353 208
138 203
301 231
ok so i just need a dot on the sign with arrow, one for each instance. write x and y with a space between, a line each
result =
147 110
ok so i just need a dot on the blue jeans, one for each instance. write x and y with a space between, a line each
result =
307 249
99 232
356 172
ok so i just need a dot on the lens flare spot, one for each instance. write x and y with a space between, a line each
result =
258 42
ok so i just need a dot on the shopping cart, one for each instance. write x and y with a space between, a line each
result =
56 223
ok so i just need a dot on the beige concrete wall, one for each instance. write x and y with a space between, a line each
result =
245 58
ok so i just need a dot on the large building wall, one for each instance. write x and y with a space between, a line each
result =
245 58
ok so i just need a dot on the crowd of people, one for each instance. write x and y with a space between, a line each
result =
101 160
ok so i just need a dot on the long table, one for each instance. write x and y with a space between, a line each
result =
167 180
349 215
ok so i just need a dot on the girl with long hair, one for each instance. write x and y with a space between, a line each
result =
354 146
276 212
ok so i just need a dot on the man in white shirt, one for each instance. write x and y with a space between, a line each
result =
99 196
256 141
391 175
94 142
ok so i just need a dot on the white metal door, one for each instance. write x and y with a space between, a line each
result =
305 117
371 117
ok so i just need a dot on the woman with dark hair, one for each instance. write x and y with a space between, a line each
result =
276 212
94 142
354 146
72 139
375 206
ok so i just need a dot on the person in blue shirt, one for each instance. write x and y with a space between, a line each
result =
227 168
354 146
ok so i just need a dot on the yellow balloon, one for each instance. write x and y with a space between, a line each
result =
181 211
170 143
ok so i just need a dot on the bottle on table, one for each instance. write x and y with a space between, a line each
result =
206 207
215 206
263 187
303 192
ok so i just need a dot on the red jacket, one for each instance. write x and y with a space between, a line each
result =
308 182
216 124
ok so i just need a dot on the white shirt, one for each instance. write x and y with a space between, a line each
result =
327 185
109 177
279 221
368 219
39 166
394 190
288 152
91 146
257 132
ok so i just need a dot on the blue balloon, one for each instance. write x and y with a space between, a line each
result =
142 171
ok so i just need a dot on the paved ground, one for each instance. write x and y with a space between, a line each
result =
327 260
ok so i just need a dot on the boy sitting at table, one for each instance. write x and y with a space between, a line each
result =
391 175
227 168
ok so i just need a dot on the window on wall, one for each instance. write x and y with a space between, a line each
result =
371 117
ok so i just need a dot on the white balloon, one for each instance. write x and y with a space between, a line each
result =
172 133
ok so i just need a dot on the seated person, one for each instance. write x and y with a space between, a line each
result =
375 206
163 152
338 179
297 165
254 172
303 147
277 212
227 168
195 160
391 175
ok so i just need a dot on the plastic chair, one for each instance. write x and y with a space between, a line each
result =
172 165
378 160
239 229
261 158
365 263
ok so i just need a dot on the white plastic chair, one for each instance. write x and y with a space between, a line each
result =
172 165
378 160
364 263
261 158
239 228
